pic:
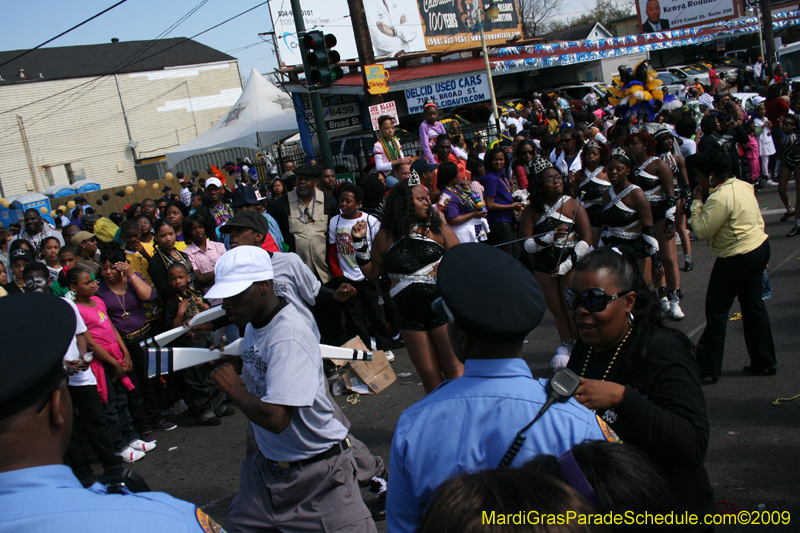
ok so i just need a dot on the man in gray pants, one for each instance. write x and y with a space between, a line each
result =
303 477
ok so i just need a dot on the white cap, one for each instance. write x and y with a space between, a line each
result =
758 100
213 181
236 270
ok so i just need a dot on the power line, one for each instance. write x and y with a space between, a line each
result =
63 33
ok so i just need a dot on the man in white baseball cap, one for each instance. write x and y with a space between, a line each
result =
215 210
303 449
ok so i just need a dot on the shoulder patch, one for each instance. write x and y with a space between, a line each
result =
206 523
608 433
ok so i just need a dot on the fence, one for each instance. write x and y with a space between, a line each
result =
157 170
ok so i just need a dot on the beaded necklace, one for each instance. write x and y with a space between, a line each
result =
462 196
616 353
390 148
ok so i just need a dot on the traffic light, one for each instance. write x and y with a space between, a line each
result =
321 59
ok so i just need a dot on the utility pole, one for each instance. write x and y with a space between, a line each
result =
27 152
366 55
313 94
769 37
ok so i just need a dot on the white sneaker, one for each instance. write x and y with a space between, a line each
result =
768 183
389 356
665 305
675 312
143 446
129 455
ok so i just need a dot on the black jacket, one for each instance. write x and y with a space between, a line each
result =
663 412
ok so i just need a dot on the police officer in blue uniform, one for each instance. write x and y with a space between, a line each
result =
469 423
37 492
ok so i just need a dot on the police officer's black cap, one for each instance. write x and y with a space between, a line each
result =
488 293
247 219
309 170
31 364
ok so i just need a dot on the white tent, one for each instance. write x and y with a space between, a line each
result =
261 116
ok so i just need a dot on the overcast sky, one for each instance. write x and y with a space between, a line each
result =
31 22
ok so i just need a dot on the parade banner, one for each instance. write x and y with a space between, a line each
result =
394 26
448 94
662 15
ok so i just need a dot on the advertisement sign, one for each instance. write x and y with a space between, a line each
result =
378 110
377 79
394 26
341 112
662 15
447 94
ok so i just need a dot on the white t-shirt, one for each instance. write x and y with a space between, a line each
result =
294 281
283 366
339 234
689 147
86 377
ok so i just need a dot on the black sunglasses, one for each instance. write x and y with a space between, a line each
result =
527 152
594 300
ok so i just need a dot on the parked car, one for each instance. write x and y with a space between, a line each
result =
746 101
576 92
670 81
691 72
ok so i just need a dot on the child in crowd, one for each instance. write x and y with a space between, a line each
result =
112 382
766 147
146 236
751 165
50 248
202 397
67 258
342 256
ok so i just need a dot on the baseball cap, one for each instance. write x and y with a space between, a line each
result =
21 253
423 165
247 219
81 236
517 305
239 268
213 182
166 188
244 195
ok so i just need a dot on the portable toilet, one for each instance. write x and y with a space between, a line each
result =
57 191
19 204
84 186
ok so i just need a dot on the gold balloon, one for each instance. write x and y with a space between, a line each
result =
53 213
155 186
71 204
169 176
129 189
4 203
43 210
142 183
63 208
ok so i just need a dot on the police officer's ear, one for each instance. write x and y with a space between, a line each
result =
59 408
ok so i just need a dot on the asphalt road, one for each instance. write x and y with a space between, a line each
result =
754 448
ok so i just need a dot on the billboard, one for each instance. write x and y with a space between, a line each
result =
662 15
394 26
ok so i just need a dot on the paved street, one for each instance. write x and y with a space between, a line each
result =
754 449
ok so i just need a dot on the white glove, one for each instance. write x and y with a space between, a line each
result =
670 213
531 246
561 358
582 248
565 266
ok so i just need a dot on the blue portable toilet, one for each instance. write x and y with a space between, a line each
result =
84 186
57 191
19 204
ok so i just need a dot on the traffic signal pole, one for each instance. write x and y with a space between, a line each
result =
313 94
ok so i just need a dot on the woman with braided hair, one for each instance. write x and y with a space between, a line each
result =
558 234
654 176
409 246
387 151
626 216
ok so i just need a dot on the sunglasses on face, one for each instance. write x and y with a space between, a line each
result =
93 239
527 152
593 300
567 140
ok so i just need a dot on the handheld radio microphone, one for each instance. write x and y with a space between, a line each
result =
560 388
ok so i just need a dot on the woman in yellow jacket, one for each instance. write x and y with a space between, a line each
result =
731 222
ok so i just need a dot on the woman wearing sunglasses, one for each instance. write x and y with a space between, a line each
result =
626 214
592 182
639 375
559 235
523 162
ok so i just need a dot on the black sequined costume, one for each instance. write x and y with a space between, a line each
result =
546 259
413 291
594 188
623 226
651 186
669 159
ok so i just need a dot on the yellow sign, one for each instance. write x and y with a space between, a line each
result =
377 78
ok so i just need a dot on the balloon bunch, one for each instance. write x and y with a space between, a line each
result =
637 93
476 199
